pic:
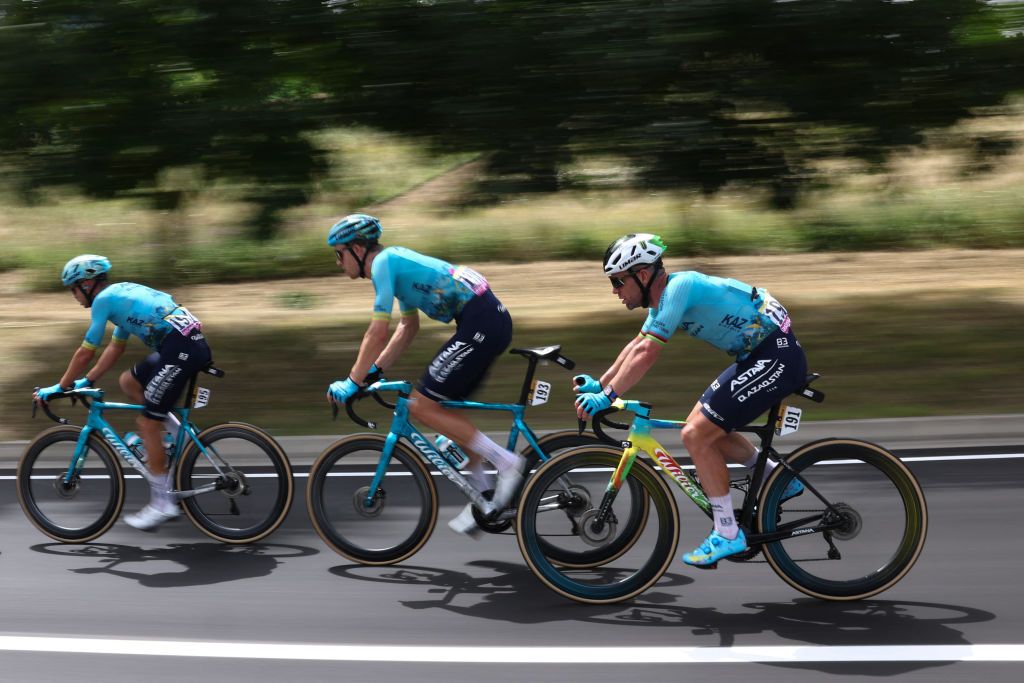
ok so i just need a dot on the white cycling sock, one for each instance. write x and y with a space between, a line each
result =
769 465
501 458
477 475
725 518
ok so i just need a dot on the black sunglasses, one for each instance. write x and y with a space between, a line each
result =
617 282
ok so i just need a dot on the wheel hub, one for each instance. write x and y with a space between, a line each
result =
66 490
849 519
374 508
592 536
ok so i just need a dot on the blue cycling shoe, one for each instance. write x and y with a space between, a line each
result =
715 548
793 489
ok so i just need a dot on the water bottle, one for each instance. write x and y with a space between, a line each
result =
451 452
134 443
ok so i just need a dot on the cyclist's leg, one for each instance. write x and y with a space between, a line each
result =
179 358
483 332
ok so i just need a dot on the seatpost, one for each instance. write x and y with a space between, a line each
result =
524 395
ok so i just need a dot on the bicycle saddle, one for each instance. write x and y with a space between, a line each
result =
546 353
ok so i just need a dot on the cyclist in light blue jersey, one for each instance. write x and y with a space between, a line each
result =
444 292
179 351
744 321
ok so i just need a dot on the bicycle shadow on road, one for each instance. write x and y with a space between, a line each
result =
806 621
511 593
204 563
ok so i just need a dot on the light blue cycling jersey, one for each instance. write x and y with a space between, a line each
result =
423 283
147 313
728 314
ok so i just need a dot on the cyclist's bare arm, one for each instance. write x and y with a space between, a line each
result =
110 356
643 354
78 365
406 331
374 340
610 373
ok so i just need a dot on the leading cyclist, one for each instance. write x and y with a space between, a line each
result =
483 330
179 352
745 322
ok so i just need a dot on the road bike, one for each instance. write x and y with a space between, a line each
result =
372 499
233 480
857 528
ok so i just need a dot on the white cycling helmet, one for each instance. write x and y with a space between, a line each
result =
635 249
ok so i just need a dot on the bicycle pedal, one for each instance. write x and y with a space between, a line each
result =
713 565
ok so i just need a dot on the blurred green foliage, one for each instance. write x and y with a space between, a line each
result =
107 96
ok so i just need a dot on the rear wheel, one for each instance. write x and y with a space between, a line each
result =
75 509
871 507
253 480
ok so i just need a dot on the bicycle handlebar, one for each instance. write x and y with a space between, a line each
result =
49 413
350 409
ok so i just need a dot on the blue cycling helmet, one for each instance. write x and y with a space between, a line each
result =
84 267
355 226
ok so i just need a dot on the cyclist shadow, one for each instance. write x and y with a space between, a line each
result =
204 563
814 622
512 593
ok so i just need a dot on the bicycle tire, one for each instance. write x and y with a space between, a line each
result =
36 478
267 494
331 505
870 490
598 462
556 442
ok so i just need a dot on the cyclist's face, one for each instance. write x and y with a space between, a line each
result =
76 291
346 261
625 287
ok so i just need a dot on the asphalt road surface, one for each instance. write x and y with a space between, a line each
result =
160 606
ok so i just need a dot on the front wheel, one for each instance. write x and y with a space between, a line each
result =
243 479
559 513
868 513
73 509
383 526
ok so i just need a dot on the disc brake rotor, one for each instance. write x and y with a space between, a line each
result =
591 536
374 508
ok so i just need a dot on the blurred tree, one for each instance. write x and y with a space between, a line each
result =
108 95
694 93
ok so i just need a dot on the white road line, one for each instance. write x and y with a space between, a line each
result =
305 475
519 655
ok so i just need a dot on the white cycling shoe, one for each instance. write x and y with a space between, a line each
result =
152 516
508 484
464 523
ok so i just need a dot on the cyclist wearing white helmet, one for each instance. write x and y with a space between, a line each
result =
745 322
179 351
443 292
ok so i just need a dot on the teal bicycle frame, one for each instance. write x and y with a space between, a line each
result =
95 422
401 427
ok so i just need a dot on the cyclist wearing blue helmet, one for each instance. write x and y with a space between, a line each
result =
746 322
179 350
444 292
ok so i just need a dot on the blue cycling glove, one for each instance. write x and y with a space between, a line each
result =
342 390
374 375
588 385
46 393
83 383
593 402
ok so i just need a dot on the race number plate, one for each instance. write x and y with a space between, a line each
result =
202 397
540 393
788 421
